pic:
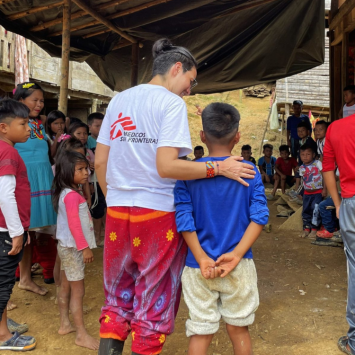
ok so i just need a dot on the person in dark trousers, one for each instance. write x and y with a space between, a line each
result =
339 149
15 210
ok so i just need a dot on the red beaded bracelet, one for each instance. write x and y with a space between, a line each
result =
210 173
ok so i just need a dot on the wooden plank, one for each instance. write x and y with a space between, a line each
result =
134 65
76 15
34 10
337 40
98 33
114 16
104 21
64 77
343 11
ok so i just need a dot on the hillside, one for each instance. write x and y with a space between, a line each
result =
253 111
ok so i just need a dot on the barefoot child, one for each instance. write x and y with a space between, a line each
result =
247 153
15 209
266 166
220 220
76 238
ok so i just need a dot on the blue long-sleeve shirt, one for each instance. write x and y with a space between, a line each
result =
219 210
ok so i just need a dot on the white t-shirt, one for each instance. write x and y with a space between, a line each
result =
137 122
348 110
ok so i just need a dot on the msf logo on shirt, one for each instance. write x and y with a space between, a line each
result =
122 124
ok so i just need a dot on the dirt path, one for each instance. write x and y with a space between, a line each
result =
286 322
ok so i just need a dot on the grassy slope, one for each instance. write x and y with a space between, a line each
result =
253 113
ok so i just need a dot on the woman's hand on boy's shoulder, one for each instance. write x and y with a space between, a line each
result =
88 256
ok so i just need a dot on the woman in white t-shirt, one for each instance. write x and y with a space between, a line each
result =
143 134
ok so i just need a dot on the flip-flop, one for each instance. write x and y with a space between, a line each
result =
19 343
342 343
16 327
326 242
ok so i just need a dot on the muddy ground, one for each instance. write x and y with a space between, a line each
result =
286 321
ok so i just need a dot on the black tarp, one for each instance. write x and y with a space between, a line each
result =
234 50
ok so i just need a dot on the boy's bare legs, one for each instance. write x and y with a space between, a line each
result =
4 330
298 182
26 282
77 290
240 338
63 303
283 184
199 344
276 184
97 229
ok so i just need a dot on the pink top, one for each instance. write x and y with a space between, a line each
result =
72 201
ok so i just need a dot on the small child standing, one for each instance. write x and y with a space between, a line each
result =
15 210
55 128
311 171
75 235
267 169
94 122
219 279
349 98
320 131
198 152
247 153
284 167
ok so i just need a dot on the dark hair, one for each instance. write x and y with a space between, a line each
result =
297 102
220 122
350 88
53 116
95 116
64 173
324 123
10 109
166 55
25 89
75 125
268 145
307 146
284 148
246 147
304 124
199 147
69 144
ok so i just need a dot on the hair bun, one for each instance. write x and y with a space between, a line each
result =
161 46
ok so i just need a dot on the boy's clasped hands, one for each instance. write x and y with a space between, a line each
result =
211 269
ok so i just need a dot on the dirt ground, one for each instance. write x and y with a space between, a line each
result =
286 321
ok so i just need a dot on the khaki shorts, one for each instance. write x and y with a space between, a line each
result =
72 263
235 298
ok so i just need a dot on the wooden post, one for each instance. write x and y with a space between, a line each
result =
64 71
134 64
282 127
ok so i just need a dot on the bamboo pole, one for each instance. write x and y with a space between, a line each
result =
103 20
98 33
114 16
134 66
64 77
76 15
34 10
2 2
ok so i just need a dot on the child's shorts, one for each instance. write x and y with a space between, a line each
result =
72 263
235 298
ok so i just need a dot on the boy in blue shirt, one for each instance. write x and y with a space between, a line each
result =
220 220
266 166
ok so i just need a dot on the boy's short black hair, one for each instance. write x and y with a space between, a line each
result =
220 122
350 88
246 147
10 109
95 116
199 147
268 145
284 148
298 102
324 123
304 124
307 146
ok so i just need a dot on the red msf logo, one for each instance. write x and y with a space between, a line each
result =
122 124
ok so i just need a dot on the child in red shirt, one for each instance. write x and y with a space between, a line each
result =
15 210
284 167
